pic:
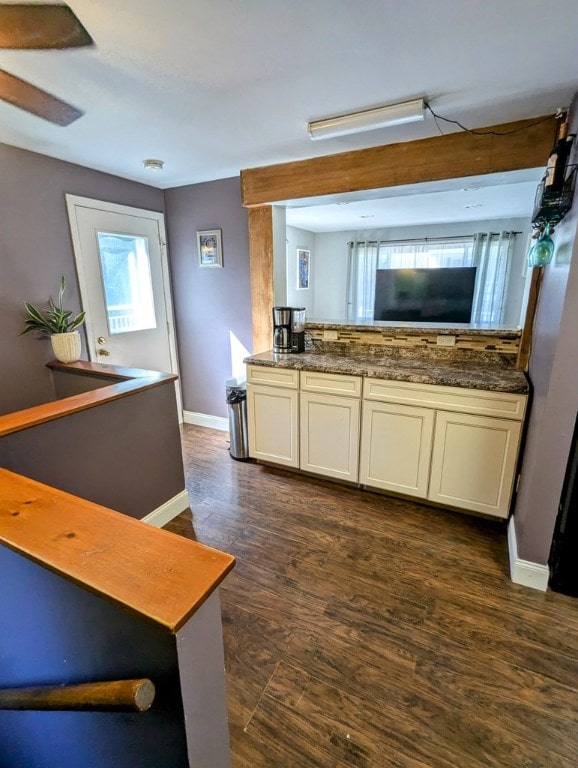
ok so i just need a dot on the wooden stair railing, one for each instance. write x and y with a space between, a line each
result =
124 695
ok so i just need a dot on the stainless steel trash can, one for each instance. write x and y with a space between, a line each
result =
237 405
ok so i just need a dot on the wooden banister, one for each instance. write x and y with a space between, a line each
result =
123 383
137 695
159 576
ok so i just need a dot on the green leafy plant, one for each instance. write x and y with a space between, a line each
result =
52 320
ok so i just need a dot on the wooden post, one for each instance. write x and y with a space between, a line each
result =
261 259
526 339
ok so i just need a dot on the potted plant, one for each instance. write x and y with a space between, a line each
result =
59 324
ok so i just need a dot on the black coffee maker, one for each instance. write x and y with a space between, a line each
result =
288 329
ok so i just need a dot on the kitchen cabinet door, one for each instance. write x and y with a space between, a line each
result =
330 435
396 443
474 462
273 424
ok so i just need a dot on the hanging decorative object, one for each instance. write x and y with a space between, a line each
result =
542 251
556 189
554 195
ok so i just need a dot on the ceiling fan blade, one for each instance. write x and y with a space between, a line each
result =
41 27
28 97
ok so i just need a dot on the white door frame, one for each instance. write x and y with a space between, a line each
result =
75 201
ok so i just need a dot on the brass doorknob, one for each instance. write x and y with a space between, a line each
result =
101 340
103 352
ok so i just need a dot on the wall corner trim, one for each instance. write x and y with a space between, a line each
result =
205 420
169 510
525 572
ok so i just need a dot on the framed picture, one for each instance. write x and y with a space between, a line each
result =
303 268
209 248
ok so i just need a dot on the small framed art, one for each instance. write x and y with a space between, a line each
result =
209 248
303 268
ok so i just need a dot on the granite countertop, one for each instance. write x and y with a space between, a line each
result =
449 373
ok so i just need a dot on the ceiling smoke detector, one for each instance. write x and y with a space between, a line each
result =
153 165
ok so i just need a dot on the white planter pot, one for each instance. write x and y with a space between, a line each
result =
66 346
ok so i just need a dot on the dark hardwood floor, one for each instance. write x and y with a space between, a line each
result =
362 630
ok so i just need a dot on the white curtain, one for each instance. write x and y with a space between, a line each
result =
493 253
361 280
490 252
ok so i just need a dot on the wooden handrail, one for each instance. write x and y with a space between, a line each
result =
161 577
124 382
137 695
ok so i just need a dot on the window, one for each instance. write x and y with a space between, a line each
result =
429 254
126 277
490 252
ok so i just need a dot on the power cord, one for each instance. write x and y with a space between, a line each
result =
437 117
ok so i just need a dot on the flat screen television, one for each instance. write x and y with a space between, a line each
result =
442 295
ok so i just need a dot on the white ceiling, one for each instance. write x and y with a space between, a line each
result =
477 198
214 86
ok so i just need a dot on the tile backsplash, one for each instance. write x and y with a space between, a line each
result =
485 347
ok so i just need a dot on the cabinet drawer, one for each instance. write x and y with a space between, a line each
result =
477 401
273 377
331 383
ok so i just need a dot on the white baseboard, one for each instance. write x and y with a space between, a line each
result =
525 572
204 420
168 511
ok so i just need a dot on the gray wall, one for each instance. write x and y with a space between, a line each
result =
211 305
330 286
553 372
55 632
36 249
125 454
300 297
280 255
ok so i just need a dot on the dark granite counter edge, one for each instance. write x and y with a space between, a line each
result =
490 378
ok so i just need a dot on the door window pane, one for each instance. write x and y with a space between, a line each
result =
126 277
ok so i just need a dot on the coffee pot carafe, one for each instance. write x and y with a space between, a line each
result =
281 339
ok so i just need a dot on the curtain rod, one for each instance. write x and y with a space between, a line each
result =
451 238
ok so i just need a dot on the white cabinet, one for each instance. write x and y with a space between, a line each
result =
456 447
329 435
396 443
272 414
330 409
474 462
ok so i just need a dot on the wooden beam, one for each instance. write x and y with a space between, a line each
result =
453 155
261 264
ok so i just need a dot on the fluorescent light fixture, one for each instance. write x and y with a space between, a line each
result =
368 120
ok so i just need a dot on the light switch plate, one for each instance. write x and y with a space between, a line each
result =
446 341
330 335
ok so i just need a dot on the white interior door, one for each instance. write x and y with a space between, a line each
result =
124 283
